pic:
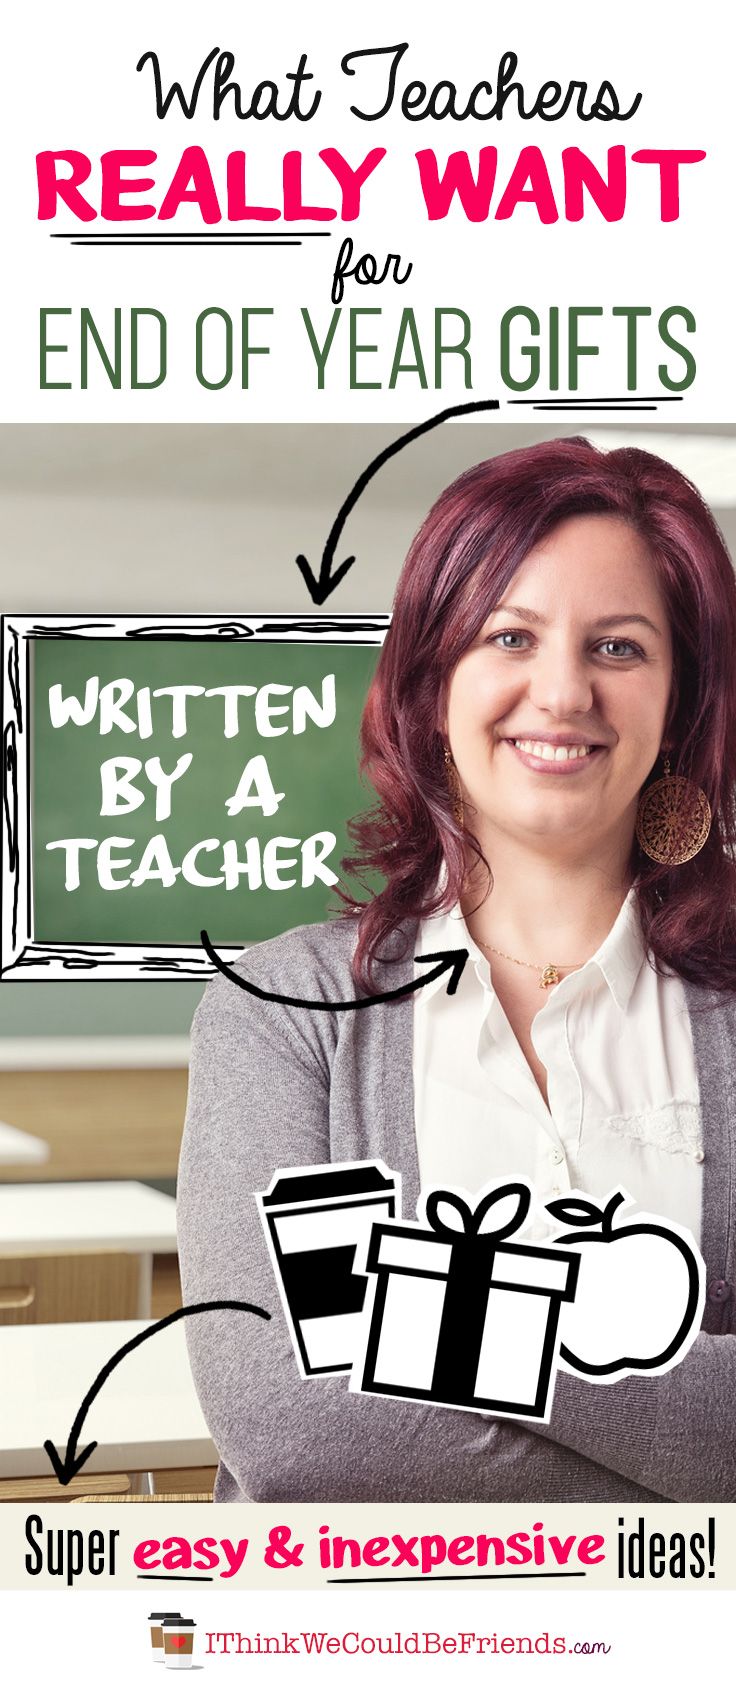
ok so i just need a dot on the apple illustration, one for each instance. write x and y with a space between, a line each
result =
640 1291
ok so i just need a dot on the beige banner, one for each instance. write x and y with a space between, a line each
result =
254 1546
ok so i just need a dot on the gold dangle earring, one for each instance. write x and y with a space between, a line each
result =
673 819
454 787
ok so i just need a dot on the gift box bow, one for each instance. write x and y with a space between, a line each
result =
477 1247
474 1221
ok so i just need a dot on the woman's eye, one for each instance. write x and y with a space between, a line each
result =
511 641
619 648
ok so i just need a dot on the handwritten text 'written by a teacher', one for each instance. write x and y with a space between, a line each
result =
209 862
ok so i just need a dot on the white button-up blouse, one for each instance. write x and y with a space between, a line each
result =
624 1102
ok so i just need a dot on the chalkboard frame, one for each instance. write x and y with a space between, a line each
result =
23 956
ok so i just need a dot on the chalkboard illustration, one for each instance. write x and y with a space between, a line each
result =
460 1316
314 1219
168 776
640 1291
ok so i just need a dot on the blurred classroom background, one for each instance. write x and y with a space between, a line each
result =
162 519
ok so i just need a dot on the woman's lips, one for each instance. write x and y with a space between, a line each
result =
558 760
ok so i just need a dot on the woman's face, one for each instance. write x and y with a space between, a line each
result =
556 713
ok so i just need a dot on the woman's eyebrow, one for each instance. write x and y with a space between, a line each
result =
532 617
626 619
526 613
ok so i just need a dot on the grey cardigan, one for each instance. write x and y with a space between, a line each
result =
272 1086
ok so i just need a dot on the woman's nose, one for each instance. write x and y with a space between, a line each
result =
560 682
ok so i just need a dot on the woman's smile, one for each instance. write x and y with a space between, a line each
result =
552 758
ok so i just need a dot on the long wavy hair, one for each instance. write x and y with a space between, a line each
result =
459 565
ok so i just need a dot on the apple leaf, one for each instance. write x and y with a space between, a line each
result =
574 1212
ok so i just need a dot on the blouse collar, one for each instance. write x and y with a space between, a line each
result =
619 959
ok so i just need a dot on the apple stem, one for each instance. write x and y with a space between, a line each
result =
613 1204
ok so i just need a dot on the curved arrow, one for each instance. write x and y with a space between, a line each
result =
322 587
72 1463
448 960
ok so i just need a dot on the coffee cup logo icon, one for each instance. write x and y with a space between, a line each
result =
156 1621
178 1634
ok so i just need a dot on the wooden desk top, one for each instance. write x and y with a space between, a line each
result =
54 1219
146 1415
19 1148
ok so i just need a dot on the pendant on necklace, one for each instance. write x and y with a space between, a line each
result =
550 976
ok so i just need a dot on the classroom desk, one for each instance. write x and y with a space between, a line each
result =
76 1222
108 1107
20 1149
57 1219
145 1417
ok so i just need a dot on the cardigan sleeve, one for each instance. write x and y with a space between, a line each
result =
259 1099
675 1434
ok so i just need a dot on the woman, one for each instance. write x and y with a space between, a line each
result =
550 736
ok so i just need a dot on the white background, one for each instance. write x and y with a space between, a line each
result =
53 1642
72 83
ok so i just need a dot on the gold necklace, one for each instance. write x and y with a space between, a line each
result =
550 973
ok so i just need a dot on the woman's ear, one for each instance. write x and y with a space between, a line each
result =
442 715
669 734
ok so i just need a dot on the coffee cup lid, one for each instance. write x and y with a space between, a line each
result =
180 1621
164 1615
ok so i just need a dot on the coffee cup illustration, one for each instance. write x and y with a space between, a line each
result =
178 1642
157 1635
314 1219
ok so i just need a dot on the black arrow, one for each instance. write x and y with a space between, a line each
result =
448 960
322 587
66 1470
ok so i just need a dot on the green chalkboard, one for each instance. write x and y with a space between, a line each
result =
311 762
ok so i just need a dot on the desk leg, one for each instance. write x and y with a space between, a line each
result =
145 1283
142 1485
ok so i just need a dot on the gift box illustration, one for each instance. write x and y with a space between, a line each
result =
461 1317
314 1219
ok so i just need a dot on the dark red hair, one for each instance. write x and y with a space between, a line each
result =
460 563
